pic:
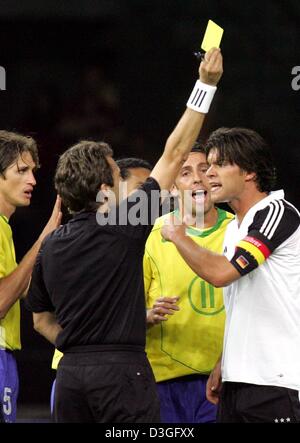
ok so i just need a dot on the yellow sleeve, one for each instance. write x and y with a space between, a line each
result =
2 258
151 274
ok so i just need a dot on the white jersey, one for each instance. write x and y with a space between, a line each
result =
262 332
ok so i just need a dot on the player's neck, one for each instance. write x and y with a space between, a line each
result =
206 221
210 218
242 205
6 209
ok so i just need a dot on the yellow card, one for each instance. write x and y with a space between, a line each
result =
212 37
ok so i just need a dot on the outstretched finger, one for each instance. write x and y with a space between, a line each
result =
168 299
163 311
166 305
157 318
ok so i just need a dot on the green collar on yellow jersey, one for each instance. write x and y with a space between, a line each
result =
4 218
222 215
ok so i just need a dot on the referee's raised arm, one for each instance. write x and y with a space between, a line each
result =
183 137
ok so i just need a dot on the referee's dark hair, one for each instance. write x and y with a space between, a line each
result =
248 150
80 172
131 163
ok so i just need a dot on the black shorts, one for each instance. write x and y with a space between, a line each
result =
106 387
248 403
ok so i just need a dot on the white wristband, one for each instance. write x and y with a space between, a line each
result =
201 97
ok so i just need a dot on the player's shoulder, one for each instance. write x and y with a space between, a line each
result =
58 233
229 215
276 222
276 212
160 221
4 225
225 216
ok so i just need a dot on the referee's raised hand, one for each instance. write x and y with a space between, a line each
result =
211 67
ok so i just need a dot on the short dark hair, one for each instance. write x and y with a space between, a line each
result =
12 145
80 172
248 150
131 163
199 147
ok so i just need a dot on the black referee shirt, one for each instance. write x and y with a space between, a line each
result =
91 276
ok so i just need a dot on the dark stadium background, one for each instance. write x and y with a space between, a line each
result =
122 70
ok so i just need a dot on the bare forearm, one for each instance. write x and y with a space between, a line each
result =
177 148
185 133
187 130
46 324
51 333
211 267
15 284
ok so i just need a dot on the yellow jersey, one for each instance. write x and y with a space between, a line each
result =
10 324
56 358
191 340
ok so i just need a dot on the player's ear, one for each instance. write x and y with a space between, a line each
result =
250 176
103 193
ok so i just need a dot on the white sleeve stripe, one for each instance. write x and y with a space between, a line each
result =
273 219
271 209
277 221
